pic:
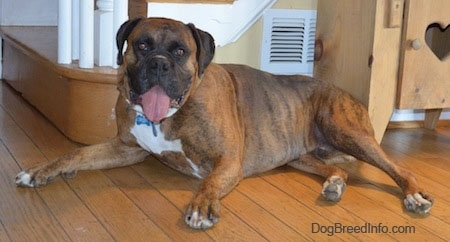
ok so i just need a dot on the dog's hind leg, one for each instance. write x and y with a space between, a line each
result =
334 185
346 126
106 155
366 148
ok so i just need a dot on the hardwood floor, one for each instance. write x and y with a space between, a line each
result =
145 202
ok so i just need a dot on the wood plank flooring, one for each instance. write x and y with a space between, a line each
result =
145 202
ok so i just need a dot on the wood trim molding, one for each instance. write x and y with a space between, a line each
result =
415 124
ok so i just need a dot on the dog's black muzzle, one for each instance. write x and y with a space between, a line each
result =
158 70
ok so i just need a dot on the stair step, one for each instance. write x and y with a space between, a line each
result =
80 102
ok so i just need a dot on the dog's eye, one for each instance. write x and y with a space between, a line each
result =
142 46
179 52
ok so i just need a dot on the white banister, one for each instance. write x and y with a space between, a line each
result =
86 34
120 15
64 32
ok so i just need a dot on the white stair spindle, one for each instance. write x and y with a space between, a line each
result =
120 14
103 31
64 31
86 34
75 29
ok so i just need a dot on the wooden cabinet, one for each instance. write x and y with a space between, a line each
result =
387 53
424 74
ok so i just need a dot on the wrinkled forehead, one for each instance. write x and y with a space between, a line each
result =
162 31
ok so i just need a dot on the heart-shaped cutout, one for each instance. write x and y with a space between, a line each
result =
438 39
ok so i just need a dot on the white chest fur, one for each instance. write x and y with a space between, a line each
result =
150 137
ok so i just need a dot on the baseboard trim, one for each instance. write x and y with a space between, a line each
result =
415 124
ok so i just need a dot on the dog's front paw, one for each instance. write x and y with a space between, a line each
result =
418 203
39 176
24 179
333 188
32 179
203 215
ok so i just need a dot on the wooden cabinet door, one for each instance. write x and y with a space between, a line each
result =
424 75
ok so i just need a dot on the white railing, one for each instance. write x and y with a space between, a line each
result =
87 35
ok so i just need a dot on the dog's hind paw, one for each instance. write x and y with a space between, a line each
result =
418 203
333 188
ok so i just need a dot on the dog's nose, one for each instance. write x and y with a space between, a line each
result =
159 66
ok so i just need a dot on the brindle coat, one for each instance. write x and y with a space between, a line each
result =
232 121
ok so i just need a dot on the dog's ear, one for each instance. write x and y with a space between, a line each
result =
205 48
122 35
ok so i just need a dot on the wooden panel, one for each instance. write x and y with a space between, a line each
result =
360 54
424 79
137 8
346 30
385 64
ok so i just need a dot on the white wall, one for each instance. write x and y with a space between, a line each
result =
413 115
28 12
225 22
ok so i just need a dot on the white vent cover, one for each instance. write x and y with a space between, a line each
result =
288 41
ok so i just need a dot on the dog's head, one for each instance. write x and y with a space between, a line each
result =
163 62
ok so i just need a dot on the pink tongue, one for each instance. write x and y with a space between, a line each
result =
155 103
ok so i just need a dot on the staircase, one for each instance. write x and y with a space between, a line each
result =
80 102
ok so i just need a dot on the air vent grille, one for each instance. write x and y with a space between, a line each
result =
288 41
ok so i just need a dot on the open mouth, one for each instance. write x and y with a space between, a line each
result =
156 103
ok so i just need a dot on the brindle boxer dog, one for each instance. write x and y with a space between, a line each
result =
222 123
